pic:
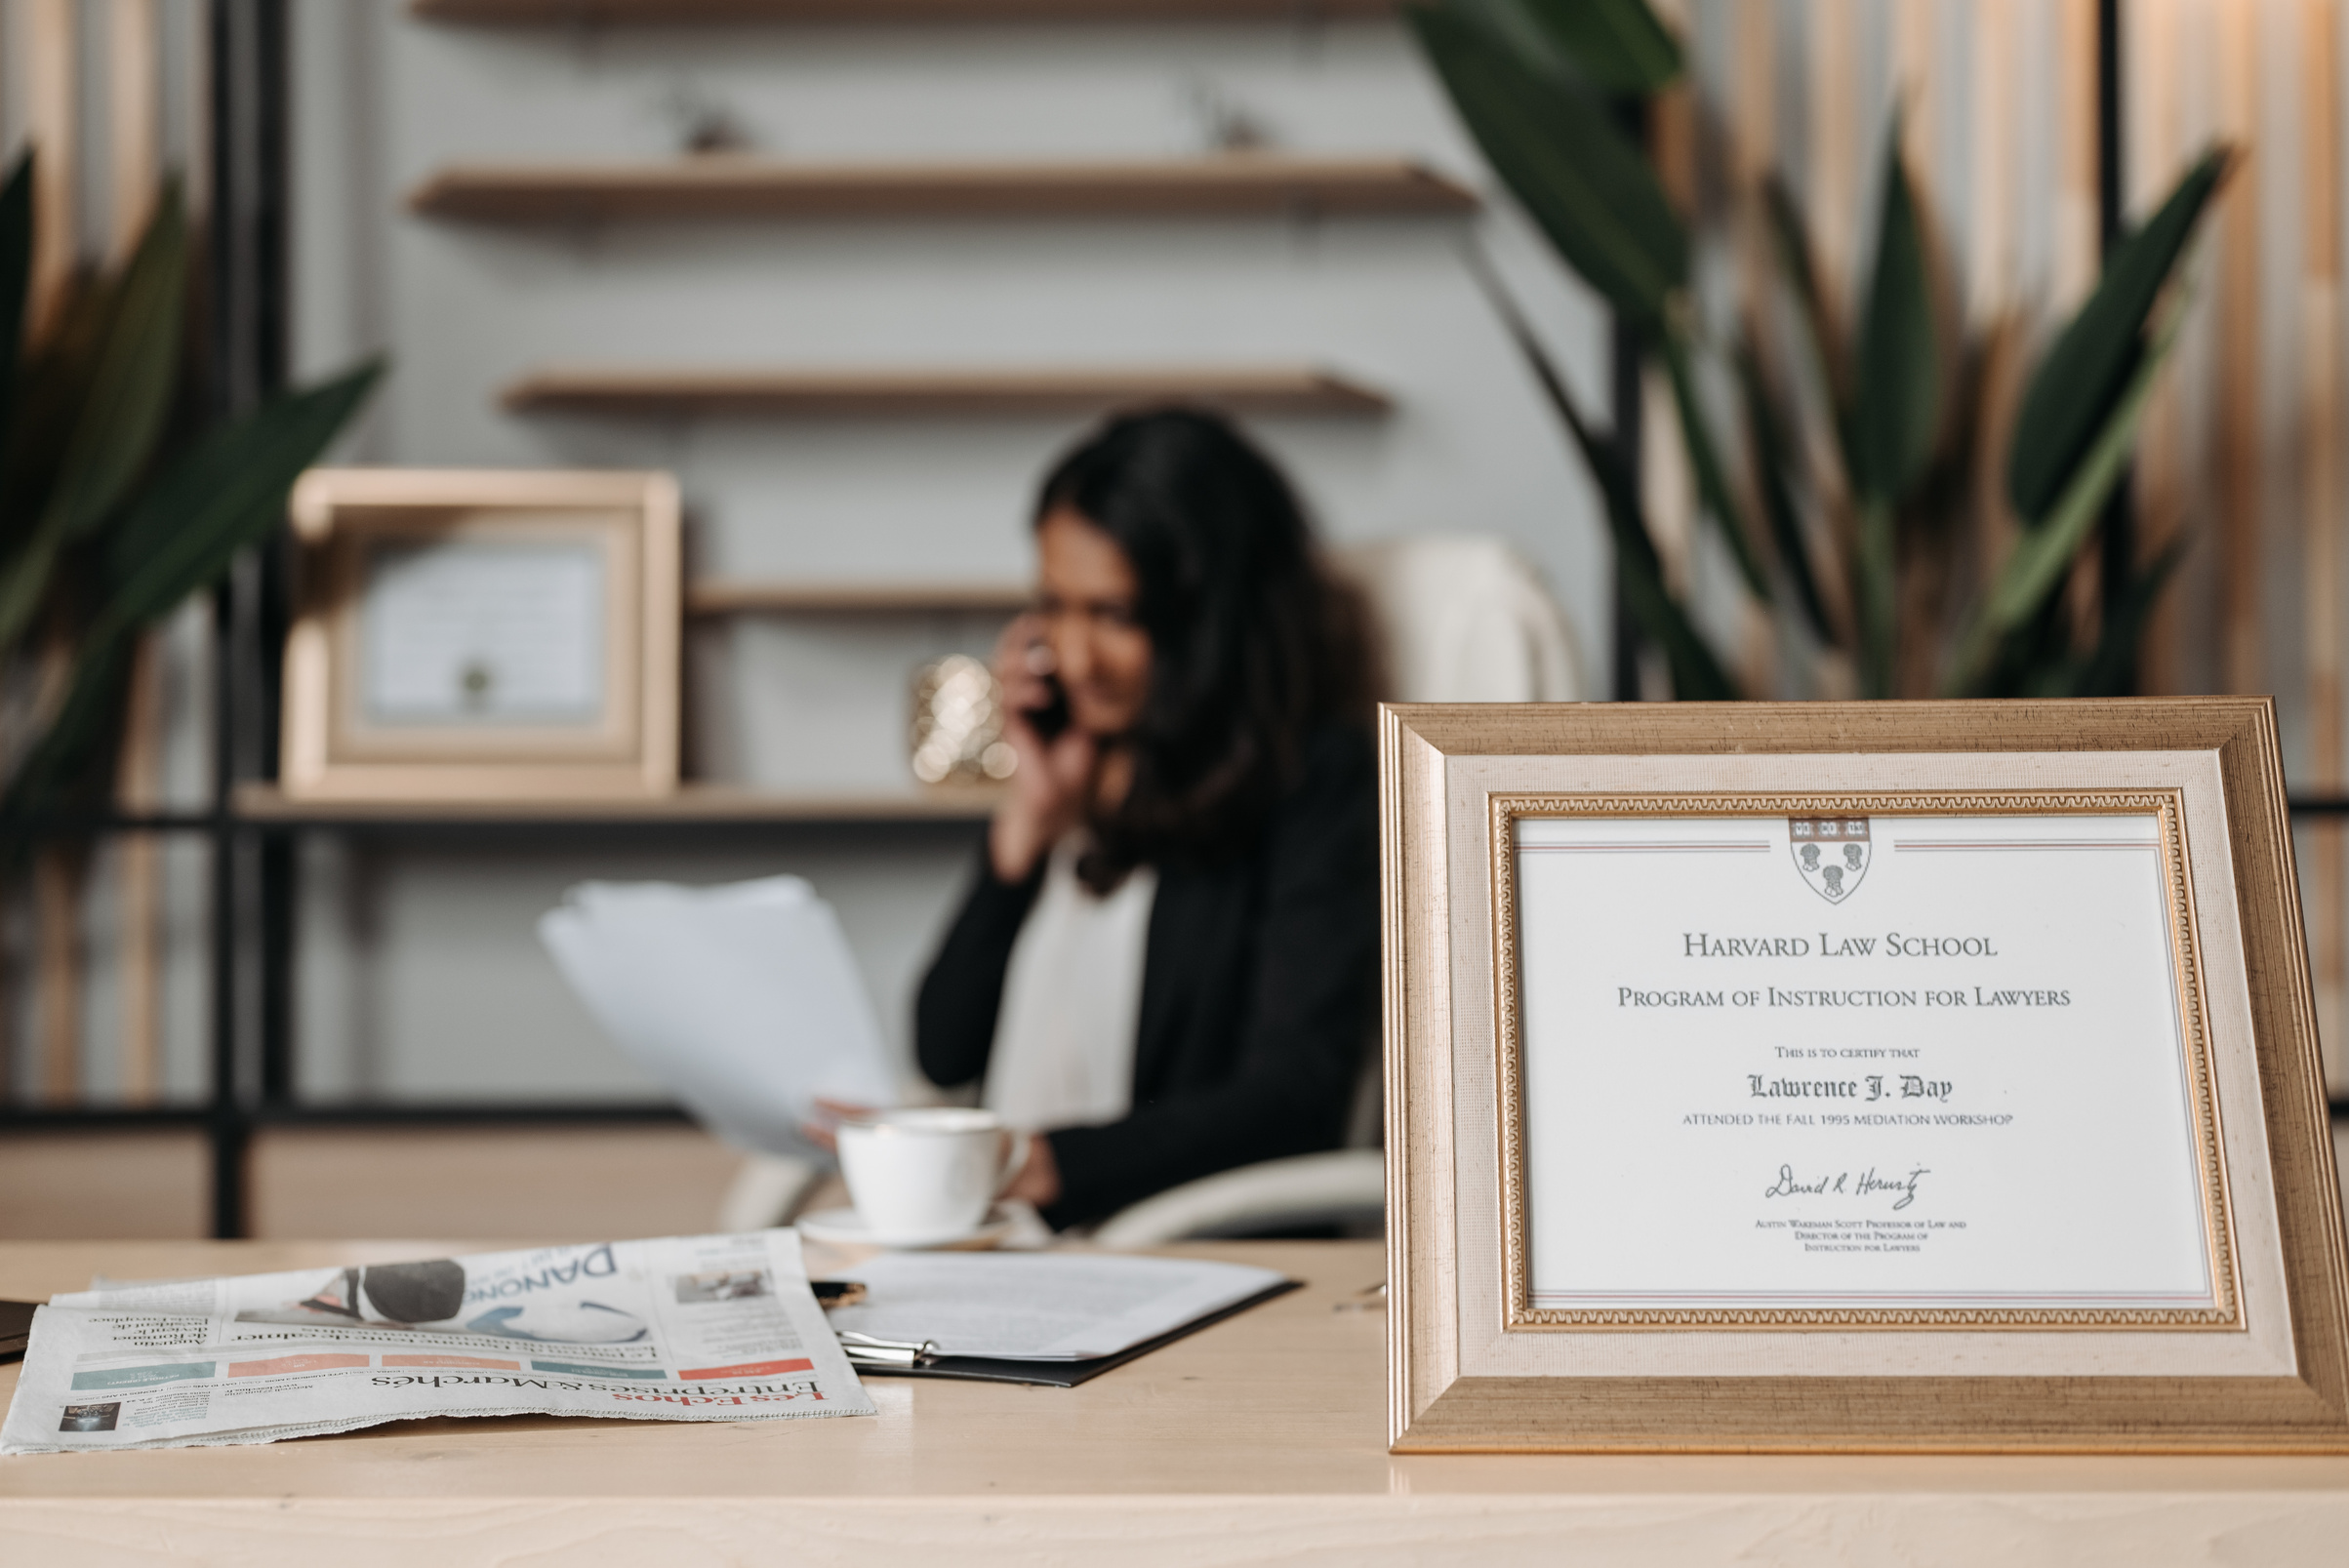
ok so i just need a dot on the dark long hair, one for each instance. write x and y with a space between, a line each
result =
1253 646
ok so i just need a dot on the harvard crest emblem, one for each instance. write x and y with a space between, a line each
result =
1831 853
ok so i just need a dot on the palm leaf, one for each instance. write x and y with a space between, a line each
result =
1620 45
2074 391
1822 341
1712 479
134 379
223 493
1898 395
1696 674
2108 670
52 384
120 415
1897 407
1552 141
1767 437
15 279
2042 556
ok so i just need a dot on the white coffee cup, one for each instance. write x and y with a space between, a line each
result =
927 1175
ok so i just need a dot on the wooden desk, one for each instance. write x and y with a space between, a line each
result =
1258 1440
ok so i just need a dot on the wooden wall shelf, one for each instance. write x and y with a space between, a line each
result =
721 596
1249 389
1238 184
662 12
710 804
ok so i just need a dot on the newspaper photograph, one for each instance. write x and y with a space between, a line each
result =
685 1328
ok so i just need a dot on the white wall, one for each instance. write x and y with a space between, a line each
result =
440 940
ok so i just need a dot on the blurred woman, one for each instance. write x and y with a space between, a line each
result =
1168 963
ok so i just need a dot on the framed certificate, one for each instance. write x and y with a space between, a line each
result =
480 634
1853 1076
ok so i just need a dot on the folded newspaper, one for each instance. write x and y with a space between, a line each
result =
686 1328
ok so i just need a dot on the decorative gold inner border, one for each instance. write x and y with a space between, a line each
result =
1517 1293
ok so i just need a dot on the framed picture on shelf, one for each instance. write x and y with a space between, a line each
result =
1855 1076
477 634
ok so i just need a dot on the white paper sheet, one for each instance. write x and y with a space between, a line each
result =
744 1000
1910 1063
1039 1306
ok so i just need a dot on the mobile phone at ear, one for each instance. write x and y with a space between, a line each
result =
1052 718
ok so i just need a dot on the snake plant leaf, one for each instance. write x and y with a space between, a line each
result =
1695 672
16 278
2108 670
78 736
1897 401
1712 479
225 492
1766 431
1895 413
1821 340
1621 45
52 384
119 414
2042 556
133 380
2073 393
1554 142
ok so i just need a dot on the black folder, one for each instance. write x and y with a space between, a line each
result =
1060 1374
15 1327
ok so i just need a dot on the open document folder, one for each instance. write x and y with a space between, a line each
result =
1053 1318
744 1000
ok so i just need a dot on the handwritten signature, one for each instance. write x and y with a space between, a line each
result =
1841 1182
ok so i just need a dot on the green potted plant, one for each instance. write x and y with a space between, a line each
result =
1552 91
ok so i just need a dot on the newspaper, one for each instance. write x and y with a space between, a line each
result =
686 1328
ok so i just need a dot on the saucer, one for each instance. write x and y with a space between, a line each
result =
843 1227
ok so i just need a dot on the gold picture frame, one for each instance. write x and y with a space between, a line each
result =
1476 1363
482 635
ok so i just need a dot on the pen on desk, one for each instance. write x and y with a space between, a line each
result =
831 1293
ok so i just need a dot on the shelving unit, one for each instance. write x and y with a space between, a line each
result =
695 805
727 186
666 11
726 597
870 393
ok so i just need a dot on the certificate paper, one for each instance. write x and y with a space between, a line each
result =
1866 1061
474 632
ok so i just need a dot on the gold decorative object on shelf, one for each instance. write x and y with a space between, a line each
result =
957 730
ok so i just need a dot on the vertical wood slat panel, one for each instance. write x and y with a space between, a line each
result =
46 78
2074 262
133 89
2156 143
2242 664
1832 189
1995 116
134 121
49 79
139 868
2320 501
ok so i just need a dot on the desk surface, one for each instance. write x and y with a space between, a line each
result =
1259 1439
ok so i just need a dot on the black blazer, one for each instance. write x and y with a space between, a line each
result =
1259 996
